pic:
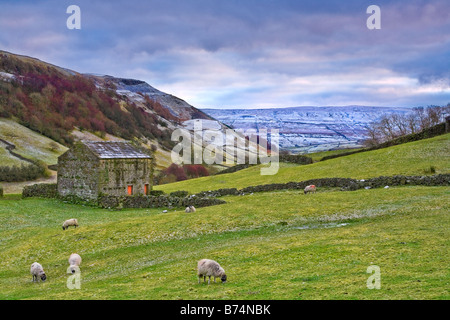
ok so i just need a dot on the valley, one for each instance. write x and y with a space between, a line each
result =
308 129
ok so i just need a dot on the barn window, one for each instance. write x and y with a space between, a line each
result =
130 190
146 189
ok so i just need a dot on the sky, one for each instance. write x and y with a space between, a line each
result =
248 53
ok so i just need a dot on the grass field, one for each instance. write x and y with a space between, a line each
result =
317 156
274 246
29 144
413 158
278 245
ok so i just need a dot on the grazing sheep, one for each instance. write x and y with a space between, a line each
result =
70 222
74 262
208 268
190 209
310 188
37 272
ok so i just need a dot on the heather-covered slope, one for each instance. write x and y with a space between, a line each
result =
54 101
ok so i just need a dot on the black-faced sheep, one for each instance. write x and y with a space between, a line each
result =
70 222
37 272
310 188
74 262
210 268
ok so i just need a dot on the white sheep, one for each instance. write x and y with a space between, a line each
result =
37 272
208 268
190 209
70 222
310 188
74 262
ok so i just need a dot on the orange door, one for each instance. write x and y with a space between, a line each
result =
146 189
130 190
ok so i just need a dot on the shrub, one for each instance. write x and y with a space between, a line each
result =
23 172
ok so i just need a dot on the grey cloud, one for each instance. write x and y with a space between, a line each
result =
242 49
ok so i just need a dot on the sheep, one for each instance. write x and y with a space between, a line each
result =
37 272
190 209
74 262
310 188
70 222
208 268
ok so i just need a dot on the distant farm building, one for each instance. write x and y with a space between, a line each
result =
90 169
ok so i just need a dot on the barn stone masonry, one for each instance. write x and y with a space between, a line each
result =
92 169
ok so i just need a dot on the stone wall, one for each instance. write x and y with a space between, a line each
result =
42 190
345 184
163 201
209 198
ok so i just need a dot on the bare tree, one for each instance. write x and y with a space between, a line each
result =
400 124
411 123
391 126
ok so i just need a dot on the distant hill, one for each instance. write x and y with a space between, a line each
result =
308 129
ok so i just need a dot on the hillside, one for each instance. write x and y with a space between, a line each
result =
28 144
309 129
276 245
273 245
54 101
414 158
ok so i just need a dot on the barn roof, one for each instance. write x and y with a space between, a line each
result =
115 150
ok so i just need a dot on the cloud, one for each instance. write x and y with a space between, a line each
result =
224 53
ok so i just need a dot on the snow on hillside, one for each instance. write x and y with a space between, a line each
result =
308 129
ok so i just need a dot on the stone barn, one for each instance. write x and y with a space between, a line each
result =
90 169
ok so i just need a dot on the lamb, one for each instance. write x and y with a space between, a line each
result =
70 222
190 209
74 262
37 272
208 268
310 188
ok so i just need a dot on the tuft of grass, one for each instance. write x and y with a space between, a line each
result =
430 170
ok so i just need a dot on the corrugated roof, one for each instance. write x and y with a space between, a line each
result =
115 150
